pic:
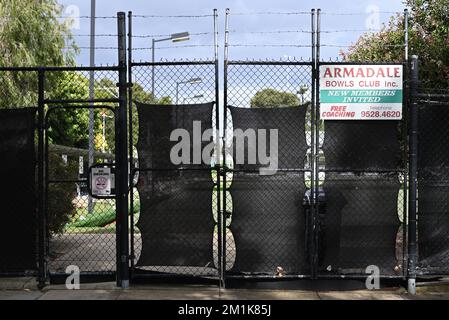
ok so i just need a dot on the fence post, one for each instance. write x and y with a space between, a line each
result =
42 228
131 138
413 168
121 160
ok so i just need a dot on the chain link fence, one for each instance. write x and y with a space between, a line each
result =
175 207
80 135
266 222
433 180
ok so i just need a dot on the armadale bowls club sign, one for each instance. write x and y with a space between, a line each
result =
361 92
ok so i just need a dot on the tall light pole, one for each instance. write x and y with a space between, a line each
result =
175 37
190 81
91 94
114 93
302 90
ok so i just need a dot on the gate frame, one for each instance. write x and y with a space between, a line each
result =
133 273
405 186
313 65
121 187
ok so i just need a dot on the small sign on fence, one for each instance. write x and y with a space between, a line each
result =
101 180
361 92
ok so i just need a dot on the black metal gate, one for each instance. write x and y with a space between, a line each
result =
175 209
361 187
87 241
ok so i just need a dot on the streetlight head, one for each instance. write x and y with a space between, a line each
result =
178 37
303 89
195 80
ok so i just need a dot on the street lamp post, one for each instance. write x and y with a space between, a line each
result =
190 81
302 90
175 37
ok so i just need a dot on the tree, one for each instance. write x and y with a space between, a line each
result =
271 98
31 35
428 38
69 127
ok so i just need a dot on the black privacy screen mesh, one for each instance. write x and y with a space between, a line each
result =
433 188
288 121
357 145
156 123
267 221
360 223
176 221
17 190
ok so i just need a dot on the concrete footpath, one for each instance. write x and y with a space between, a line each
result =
25 289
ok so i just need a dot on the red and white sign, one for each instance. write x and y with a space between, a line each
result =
361 92
101 181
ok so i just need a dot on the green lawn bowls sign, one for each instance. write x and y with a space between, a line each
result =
361 92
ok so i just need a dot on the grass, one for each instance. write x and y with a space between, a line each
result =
101 220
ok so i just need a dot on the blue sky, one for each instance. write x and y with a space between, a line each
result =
276 29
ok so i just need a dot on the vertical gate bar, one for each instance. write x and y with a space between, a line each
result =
317 141
130 137
225 126
309 223
404 137
413 147
122 160
406 34
217 153
42 228
91 97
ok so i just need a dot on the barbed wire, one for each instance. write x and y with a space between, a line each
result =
270 13
139 36
167 35
67 17
86 17
349 46
358 13
96 35
88 48
271 45
174 47
173 16
349 30
270 32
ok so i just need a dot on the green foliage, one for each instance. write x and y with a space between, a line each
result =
61 195
69 127
271 98
428 38
30 35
